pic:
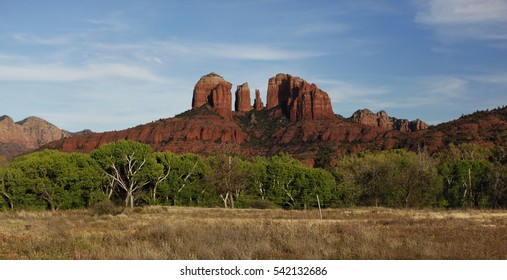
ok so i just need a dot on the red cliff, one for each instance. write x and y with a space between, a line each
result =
258 104
214 91
298 99
243 102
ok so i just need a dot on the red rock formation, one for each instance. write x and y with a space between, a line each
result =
382 120
268 132
298 99
26 135
215 92
417 125
258 104
243 102
279 90
200 133
367 117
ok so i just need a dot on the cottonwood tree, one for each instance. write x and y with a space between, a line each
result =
52 179
258 181
3 189
179 173
228 174
129 166
282 171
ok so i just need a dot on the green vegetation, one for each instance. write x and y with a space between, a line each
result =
128 174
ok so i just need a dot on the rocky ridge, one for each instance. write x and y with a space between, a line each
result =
382 120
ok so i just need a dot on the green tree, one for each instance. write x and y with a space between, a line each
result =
281 171
396 178
468 183
129 167
289 183
229 175
6 198
258 181
51 179
183 175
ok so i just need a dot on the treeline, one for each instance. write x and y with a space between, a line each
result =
130 174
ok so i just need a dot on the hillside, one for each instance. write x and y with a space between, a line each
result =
27 135
297 119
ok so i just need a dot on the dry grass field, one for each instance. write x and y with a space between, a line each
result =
197 233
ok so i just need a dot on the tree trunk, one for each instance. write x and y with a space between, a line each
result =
225 199
470 187
231 199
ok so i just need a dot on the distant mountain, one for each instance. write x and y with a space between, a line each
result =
27 135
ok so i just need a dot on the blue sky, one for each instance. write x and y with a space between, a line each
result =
109 65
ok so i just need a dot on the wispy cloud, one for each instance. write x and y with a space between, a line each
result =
341 90
406 93
322 28
460 12
56 73
465 19
110 23
213 50
497 78
243 51
36 40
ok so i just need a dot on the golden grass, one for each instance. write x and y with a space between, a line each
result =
197 233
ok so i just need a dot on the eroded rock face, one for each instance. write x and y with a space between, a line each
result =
243 102
202 134
298 99
27 135
214 91
383 120
258 104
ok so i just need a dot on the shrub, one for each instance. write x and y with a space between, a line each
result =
105 208
261 204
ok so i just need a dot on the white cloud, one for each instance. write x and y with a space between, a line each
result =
36 40
462 19
498 78
212 50
153 59
405 93
439 87
340 90
459 12
55 73
252 52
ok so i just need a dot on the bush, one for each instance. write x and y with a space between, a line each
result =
261 204
105 208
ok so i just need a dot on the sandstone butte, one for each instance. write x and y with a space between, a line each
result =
243 102
298 119
214 91
258 104
298 99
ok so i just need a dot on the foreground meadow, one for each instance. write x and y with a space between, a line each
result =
199 233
